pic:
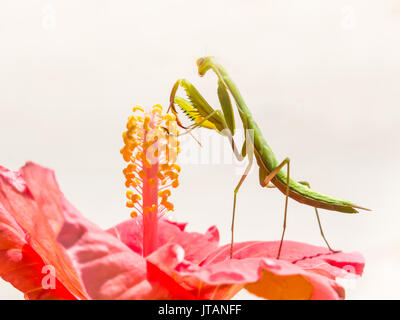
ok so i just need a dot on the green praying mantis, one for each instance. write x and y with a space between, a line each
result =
271 170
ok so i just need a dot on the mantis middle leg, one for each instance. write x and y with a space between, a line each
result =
269 177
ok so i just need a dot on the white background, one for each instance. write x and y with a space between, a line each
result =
321 78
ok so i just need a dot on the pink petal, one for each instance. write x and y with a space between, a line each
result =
196 245
89 262
180 225
21 265
107 268
303 273
320 266
38 214
309 257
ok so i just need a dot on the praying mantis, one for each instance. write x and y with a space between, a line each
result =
270 169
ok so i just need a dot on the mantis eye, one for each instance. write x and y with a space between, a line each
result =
200 61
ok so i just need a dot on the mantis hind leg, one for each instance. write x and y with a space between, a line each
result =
319 221
267 179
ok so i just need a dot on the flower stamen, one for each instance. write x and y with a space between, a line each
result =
151 153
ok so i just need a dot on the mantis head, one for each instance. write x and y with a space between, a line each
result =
203 64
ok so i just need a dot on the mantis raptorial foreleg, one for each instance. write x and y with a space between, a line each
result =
267 179
198 124
198 108
319 221
172 105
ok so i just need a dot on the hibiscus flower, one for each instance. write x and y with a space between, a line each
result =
48 250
